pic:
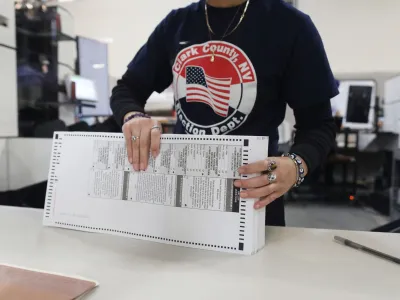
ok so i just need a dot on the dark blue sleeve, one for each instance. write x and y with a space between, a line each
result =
150 67
308 87
148 72
308 78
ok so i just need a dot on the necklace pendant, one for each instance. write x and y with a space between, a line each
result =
212 57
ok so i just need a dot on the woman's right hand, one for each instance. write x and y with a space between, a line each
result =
148 134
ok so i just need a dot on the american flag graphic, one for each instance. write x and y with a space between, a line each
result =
212 91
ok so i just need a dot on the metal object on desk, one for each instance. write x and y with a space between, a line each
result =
365 249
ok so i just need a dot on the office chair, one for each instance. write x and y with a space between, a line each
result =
47 129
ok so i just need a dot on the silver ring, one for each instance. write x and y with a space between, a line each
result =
271 166
156 127
271 177
134 138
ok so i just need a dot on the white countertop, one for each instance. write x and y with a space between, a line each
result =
295 264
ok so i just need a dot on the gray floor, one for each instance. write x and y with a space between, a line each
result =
313 215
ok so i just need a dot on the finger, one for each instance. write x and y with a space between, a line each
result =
128 141
254 182
144 148
135 131
256 167
259 192
266 200
155 140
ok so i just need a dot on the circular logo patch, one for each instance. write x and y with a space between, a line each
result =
218 78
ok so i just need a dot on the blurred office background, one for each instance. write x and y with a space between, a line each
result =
60 59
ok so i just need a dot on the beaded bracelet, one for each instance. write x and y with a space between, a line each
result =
299 166
136 115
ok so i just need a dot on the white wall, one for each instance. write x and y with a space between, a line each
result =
8 75
127 22
361 36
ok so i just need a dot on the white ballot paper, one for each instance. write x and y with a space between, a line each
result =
186 197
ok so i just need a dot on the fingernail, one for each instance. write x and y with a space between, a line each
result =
237 183
142 167
243 194
256 206
154 154
241 170
136 167
130 160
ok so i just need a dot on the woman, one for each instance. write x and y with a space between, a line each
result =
234 66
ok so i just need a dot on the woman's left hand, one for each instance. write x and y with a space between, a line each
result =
260 187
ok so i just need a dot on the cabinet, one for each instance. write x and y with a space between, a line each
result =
8 93
7 23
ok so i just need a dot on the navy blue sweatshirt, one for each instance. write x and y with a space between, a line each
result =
274 58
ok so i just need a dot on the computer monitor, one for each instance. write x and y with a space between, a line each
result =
359 98
93 64
358 104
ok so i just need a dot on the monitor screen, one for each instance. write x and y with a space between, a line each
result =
359 104
93 65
